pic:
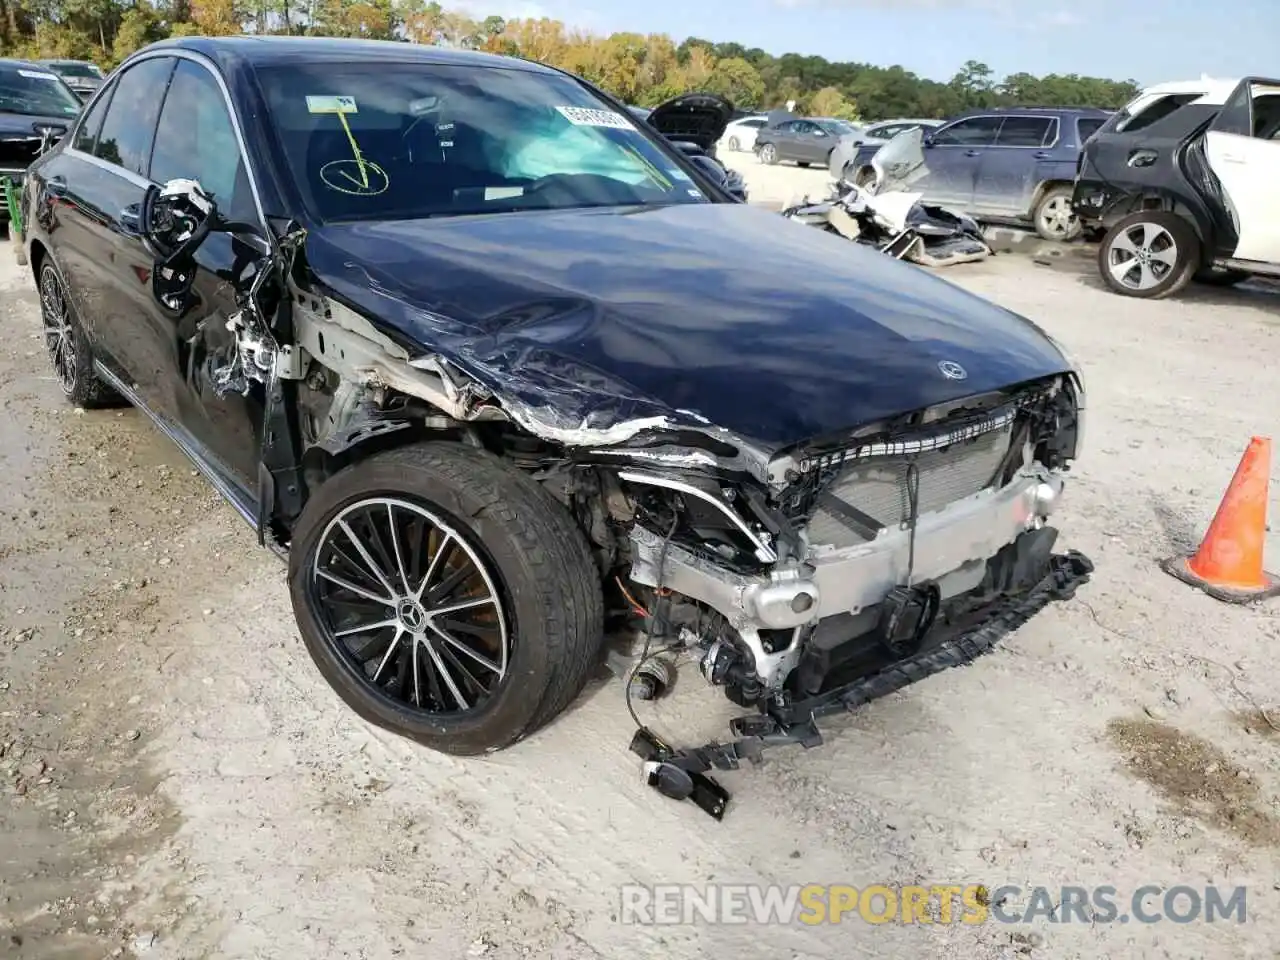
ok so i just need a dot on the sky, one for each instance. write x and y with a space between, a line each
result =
1147 42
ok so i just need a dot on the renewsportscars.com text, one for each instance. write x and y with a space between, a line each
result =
942 903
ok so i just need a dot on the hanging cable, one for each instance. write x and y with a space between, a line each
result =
913 515
656 620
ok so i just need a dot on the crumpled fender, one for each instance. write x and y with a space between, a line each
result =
548 394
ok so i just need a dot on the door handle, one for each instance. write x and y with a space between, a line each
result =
973 153
1043 155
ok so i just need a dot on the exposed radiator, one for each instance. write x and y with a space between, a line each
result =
878 488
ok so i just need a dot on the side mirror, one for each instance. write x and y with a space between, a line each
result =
175 219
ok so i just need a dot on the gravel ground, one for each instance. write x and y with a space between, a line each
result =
177 782
778 185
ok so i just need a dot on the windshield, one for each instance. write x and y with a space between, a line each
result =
84 70
36 93
408 140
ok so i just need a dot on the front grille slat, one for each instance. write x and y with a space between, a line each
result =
878 487
18 152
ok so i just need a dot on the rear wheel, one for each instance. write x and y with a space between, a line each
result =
1053 216
1149 254
68 348
446 597
733 144
768 154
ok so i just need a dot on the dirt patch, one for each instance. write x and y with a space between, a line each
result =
1197 778
1265 723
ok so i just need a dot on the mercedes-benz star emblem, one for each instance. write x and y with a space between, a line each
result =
951 370
412 616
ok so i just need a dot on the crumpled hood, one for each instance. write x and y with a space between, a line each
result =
697 313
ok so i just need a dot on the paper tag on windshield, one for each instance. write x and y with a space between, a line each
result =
590 117
331 105
36 76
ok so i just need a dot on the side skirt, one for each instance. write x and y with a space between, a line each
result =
243 501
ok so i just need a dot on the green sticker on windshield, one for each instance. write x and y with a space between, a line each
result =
331 105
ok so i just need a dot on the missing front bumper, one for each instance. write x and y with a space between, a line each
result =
682 773
950 547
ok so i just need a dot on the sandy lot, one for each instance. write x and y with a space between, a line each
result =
177 782
780 184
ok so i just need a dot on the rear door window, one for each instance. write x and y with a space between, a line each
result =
1027 132
130 124
1087 127
1142 115
87 132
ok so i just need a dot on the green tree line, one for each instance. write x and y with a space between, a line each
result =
639 68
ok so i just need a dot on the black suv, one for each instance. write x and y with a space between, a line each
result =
1182 184
1013 164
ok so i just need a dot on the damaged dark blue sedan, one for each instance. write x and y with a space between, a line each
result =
513 385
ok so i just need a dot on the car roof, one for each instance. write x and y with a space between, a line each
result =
1038 111
1212 89
63 60
263 51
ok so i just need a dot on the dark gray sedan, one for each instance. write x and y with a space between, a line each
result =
804 140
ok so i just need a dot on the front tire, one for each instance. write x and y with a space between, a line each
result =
446 596
733 144
1053 217
768 154
1149 254
67 345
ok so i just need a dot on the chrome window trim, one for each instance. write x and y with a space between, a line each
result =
241 142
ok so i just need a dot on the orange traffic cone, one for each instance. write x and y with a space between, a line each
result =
1228 565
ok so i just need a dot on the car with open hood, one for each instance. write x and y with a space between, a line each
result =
476 352
695 123
82 76
1182 185
36 108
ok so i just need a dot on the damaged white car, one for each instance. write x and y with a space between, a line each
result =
478 353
